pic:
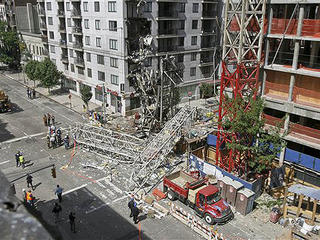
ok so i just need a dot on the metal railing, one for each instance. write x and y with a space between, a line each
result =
79 61
75 13
77 30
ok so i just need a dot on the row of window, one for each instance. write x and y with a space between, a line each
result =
112 42
111 6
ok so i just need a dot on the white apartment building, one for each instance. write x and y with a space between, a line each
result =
90 42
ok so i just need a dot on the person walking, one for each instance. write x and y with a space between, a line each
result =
66 142
29 181
135 213
53 119
24 196
72 222
30 198
131 204
48 141
28 92
49 118
33 93
17 159
45 120
58 192
53 140
21 160
56 211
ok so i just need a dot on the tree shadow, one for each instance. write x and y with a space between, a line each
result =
4 133
14 108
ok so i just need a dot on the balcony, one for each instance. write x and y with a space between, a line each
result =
43 26
76 13
78 45
60 0
79 62
44 38
75 0
63 43
77 30
167 32
61 13
41 12
62 28
209 14
64 58
168 15
207 61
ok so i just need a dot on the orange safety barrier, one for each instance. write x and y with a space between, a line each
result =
158 194
298 128
308 94
271 120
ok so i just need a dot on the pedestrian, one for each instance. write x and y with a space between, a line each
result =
49 118
59 139
53 119
53 140
56 211
131 204
29 181
135 213
58 192
17 158
24 196
45 120
66 142
33 93
48 141
30 198
21 160
72 222
28 92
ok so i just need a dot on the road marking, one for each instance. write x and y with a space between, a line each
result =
4 162
119 199
110 192
97 208
101 185
114 186
74 189
24 137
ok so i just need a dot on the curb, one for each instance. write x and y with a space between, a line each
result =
25 85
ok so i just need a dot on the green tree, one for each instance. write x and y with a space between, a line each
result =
255 144
206 90
48 74
32 71
86 94
10 46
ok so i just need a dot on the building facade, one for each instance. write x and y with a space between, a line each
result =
291 74
90 41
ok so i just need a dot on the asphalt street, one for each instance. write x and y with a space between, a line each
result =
99 201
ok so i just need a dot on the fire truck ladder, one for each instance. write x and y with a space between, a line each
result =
154 155
114 145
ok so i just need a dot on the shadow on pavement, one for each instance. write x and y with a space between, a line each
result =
94 219
4 133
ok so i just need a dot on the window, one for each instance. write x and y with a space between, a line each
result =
148 7
69 22
180 58
111 6
70 37
71 53
182 7
181 41
80 71
113 62
113 44
194 40
87 40
51 35
113 26
97 24
100 59
49 7
96 6
50 21
85 6
194 24
66 67
192 71
195 7
86 23
89 72
37 50
121 87
72 67
193 56
114 79
88 57
98 42
101 76
52 49
68 6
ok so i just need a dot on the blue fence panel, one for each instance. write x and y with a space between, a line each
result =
292 156
212 140
306 160
317 164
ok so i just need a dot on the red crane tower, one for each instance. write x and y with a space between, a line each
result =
241 58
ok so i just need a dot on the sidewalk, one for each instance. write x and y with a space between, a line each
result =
57 94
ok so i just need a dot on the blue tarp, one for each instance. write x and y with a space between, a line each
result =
212 140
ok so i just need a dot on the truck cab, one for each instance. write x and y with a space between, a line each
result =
211 206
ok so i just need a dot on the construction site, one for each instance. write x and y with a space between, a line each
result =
270 51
